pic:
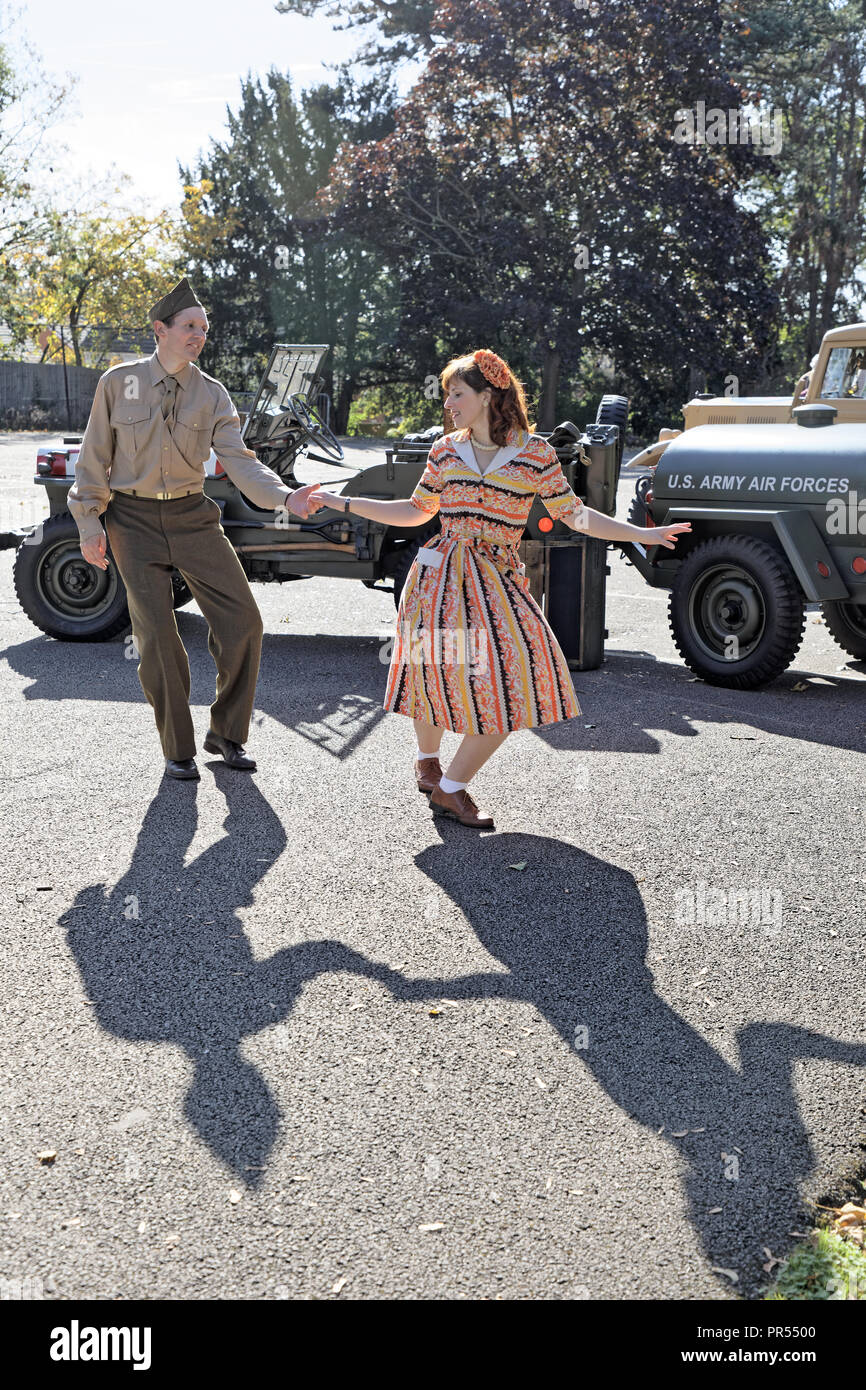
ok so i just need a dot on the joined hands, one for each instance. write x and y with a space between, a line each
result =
306 501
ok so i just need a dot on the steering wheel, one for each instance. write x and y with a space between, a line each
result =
314 426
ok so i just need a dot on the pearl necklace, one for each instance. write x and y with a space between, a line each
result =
486 447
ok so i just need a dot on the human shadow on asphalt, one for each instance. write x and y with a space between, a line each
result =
164 958
580 961
329 690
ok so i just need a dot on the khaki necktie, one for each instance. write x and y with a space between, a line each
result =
169 399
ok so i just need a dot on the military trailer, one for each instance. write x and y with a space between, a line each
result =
839 377
71 600
778 516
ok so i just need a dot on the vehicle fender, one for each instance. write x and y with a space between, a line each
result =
649 457
797 535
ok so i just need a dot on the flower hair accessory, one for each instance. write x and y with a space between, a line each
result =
492 367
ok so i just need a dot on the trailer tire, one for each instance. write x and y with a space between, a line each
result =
182 594
736 612
847 624
638 512
405 561
61 593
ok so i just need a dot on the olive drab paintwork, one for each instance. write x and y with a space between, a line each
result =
778 521
795 481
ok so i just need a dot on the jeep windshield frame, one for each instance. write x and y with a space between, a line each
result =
845 375
292 370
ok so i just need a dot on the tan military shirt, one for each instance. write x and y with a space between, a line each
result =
128 445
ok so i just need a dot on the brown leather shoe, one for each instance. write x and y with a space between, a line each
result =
427 774
461 807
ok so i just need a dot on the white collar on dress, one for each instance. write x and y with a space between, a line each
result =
517 440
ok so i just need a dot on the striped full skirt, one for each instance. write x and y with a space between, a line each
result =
473 651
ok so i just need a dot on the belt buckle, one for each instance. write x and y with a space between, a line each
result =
163 496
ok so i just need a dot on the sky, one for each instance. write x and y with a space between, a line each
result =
155 76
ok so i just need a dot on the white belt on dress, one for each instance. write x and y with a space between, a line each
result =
429 555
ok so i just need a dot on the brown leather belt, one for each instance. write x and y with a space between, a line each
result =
155 496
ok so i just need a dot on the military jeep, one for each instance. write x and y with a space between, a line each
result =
839 377
778 515
69 599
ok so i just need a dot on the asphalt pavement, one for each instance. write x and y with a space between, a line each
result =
287 1036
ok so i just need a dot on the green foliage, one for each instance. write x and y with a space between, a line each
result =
825 1267
536 130
392 411
412 230
261 243
31 103
806 61
88 274
405 25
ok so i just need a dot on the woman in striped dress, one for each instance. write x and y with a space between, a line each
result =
473 652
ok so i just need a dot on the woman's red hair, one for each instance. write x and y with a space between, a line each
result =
507 403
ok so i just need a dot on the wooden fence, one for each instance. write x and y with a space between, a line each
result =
41 395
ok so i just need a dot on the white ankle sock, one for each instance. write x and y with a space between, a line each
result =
449 787
419 754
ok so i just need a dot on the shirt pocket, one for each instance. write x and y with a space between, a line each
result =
192 434
131 422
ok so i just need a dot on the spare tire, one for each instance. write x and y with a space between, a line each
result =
613 410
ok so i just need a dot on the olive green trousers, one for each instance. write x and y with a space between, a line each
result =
148 539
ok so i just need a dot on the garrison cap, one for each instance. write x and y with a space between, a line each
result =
183 296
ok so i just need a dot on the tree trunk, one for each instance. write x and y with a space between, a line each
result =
343 405
549 387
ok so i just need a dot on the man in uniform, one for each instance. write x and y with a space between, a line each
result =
151 428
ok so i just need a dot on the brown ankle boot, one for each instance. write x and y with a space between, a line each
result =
461 807
427 773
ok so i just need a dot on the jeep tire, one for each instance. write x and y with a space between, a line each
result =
61 593
737 613
847 623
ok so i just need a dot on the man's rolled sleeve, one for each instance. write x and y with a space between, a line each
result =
254 479
90 493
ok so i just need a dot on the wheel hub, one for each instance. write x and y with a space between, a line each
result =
71 586
725 603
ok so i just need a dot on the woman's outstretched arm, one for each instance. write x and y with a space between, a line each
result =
605 528
397 513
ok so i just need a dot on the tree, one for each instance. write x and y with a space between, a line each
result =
31 104
806 61
270 262
405 25
96 272
533 196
